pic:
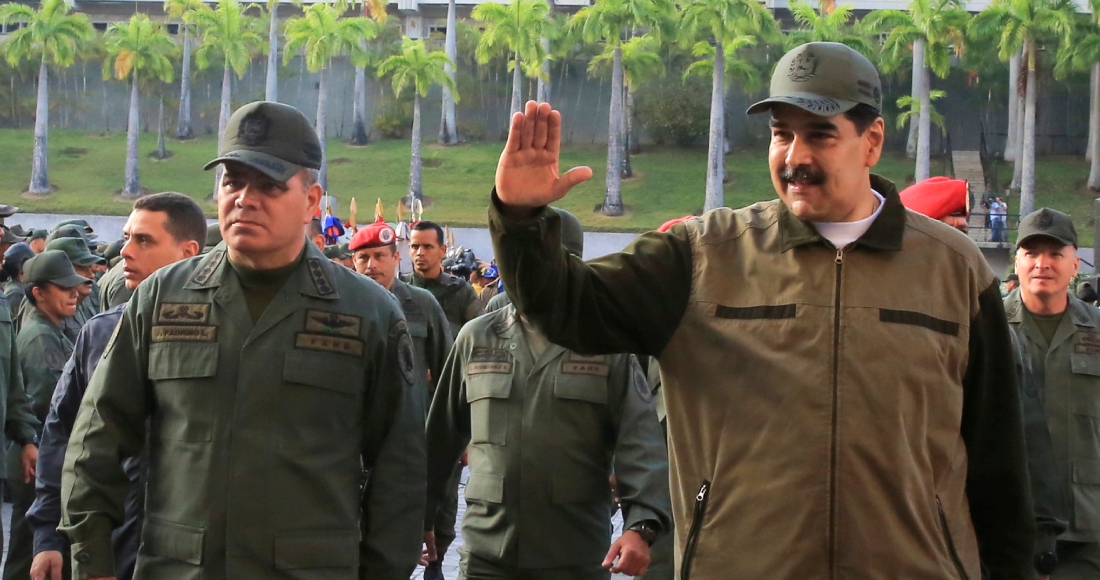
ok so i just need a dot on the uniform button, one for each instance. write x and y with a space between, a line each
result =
512 346
83 557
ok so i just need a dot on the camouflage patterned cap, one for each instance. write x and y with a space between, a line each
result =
1050 223
274 138
824 78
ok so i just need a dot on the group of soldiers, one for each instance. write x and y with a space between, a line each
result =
822 385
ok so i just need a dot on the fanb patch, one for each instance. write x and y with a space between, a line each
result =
406 358
185 334
321 322
638 378
586 365
183 313
55 360
489 360
329 343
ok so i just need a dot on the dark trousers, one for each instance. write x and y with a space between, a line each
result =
477 568
1077 561
21 544
444 524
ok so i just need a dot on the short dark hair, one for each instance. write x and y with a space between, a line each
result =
185 221
862 116
315 228
426 225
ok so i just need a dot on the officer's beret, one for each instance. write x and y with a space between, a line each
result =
373 235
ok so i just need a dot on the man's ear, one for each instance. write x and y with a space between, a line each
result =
191 249
874 137
313 196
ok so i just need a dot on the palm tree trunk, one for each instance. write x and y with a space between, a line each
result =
184 129
414 163
628 170
359 107
162 152
1018 168
715 160
633 146
132 188
322 101
40 180
1013 108
223 118
613 201
924 129
542 90
1094 106
918 80
271 90
1027 179
1094 129
448 132
517 88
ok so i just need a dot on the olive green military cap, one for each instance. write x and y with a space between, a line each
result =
52 266
338 251
37 235
114 250
824 78
76 250
274 138
572 237
69 231
1050 223
7 211
74 222
9 237
18 230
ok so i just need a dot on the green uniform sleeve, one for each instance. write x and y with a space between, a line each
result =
473 307
438 344
43 358
997 484
626 302
21 423
448 426
393 452
110 425
641 459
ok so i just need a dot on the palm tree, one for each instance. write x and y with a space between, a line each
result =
183 10
933 28
607 21
138 50
834 26
909 109
1019 25
361 59
641 62
448 131
53 36
1083 53
271 85
723 25
231 34
416 67
517 28
324 35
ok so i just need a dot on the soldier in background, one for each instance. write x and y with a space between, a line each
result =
428 248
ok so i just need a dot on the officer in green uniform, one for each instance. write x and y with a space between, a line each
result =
83 260
112 287
52 294
269 378
455 295
13 287
1059 348
546 428
37 240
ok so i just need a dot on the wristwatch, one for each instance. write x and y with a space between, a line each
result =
32 441
647 529
1045 562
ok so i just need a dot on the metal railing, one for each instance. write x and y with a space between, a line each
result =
983 230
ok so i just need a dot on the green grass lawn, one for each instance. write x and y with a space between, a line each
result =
87 170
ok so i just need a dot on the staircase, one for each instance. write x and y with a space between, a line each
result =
968 166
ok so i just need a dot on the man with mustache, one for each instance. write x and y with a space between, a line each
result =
838 399
266 379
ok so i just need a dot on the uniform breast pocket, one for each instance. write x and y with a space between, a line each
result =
586 388
183 375
487 394
323 390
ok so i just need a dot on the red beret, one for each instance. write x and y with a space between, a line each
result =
937 197
373 236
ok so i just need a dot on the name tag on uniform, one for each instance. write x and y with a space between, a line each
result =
184 333
183 313
586 365
489 360
329 343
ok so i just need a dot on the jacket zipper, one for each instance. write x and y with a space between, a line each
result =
950 542
693 533
832 433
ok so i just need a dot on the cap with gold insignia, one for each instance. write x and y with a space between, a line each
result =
274 138
1050 223
76 250
374 235
824 78
52 266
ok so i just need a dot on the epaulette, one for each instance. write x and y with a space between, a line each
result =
202 275
320 279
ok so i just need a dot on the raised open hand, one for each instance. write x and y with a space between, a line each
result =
527 173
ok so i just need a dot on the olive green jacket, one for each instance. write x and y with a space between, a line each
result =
43 351
258 433
544 437
839 414
430 332
1065 385
112 288
455 295
19 421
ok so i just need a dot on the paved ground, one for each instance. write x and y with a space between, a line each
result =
450 562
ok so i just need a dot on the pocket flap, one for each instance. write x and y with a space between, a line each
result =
172 540
1086 471
182 360
333 372
316 549
581 388
488 386
1085 364
485 487
418 329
